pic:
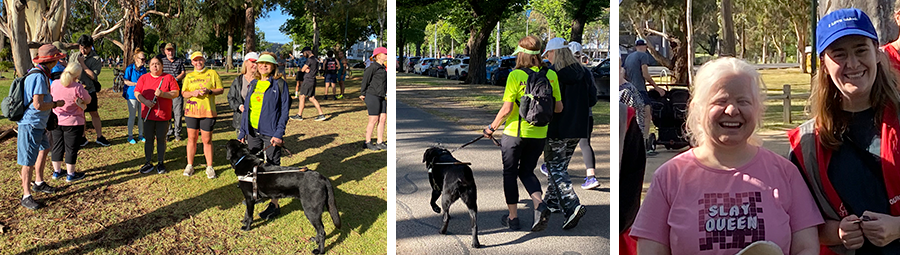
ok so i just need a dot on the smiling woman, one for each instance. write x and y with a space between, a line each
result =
733 178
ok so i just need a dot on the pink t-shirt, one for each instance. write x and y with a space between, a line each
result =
69 114
695 209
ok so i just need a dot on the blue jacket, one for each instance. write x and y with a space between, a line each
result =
275 110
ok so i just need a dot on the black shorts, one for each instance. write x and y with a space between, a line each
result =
205 124
308 89
92 107
375 105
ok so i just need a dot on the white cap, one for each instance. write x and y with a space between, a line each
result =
252 55
575 47
554 44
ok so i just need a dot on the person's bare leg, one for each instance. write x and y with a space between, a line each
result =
26 179
191 145
98 124
536 199
382 120
370 127
57 166
302 105
341 83
207 147
316 104
513 211
70 169
297 88
647 116
40 164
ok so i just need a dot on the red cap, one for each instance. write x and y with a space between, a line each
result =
379 50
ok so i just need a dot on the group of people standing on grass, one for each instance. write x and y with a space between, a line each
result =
158 91
834 193
523 142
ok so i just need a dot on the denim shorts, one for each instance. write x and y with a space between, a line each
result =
30 142
331 77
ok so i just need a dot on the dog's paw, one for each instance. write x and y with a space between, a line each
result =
317 251
476 245
245 228
436 209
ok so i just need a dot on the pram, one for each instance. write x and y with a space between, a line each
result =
668 114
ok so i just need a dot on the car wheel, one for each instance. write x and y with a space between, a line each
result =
457 75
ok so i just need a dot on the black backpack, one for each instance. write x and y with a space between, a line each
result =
331 64
13 105
536 104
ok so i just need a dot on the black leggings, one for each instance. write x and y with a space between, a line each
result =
587 152
520 156
258 142
65 143
155 130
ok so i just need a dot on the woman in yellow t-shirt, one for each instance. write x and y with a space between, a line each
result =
200 89
522 145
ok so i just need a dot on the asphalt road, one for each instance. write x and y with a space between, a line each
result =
417 224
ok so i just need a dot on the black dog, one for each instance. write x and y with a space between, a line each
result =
311 187
454 180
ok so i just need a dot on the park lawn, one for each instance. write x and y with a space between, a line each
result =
478 96
115 210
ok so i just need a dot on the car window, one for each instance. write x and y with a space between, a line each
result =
491 62
465 61
509 62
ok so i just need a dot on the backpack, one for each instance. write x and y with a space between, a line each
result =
536 104
13 105
331 65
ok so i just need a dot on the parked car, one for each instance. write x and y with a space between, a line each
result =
439 69
601 79
411 64
489 65
458 69
507 64
423 65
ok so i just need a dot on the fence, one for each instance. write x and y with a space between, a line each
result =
785 98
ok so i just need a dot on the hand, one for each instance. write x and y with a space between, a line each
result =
361 97
59 103
81 59
241 108
662 92
276 141
880 229
487 132
850 232
150 104
79 101
158 93
242 140
199 92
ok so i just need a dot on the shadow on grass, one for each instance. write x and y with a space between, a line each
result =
123 233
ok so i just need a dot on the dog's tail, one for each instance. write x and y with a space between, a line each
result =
332 207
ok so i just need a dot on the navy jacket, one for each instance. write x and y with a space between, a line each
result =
275 110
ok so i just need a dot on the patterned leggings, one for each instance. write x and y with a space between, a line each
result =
557 155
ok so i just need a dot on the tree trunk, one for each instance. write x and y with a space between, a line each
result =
249 28
728 29
690 42
479 36
18 38
577 29
401 42
765 47
315 22
229 60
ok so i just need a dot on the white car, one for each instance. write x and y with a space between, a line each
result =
423 65
458 68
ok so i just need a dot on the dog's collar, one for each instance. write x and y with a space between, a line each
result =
239 161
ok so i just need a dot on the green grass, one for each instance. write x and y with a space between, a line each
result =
117 211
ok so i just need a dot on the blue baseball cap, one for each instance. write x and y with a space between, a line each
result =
842 23
639 42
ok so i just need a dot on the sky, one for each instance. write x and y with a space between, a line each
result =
271 24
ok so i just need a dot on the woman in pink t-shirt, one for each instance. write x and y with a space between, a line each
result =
727 192
71 122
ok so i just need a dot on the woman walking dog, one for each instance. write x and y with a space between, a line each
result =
523 143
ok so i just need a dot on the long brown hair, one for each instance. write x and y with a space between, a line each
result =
825 101
525 60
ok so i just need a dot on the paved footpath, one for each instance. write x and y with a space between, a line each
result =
417 224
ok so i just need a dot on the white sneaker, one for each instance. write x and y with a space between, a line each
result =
188 170
210 172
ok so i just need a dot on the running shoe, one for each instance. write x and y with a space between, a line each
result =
29 203
74 177
44 187
188 170
590 182
572 220
297 117
57 175
341 96
210 172
160 169
321 117
146 169
541 217
102 141
512 224
544 169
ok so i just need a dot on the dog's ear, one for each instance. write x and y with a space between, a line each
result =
428 154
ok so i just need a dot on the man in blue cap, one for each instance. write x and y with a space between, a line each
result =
637 72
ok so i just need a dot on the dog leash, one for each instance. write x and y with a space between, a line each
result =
251 177
476 139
